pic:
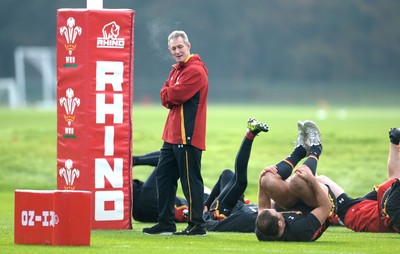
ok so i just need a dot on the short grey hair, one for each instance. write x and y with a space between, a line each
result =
177 33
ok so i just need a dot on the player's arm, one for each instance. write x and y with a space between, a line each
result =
393 164
264 200
320 193
324 204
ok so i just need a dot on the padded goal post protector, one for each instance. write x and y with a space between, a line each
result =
95 53
52 217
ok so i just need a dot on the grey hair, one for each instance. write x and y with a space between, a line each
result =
177 33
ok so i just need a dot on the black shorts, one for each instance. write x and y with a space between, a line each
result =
391 204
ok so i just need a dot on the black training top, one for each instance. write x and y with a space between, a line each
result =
301 226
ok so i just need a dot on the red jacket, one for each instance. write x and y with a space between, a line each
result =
185 95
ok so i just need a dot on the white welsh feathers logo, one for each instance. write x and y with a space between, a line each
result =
69 173
69 102
110 38
71 31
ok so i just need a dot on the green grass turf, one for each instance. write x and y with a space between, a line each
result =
355 155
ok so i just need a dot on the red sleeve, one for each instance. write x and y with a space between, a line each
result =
190 81
163 91
163 96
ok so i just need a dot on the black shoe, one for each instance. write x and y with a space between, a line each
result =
159 229
394 135
192 230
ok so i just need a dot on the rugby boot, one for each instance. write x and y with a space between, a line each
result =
301 137
312 132
256 127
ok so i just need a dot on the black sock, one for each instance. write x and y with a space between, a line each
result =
285 167
316 150
312 160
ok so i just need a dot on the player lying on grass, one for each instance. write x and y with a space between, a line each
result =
378 210
225 208
145 204
304 204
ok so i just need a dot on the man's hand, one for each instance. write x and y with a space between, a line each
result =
305 173
270 169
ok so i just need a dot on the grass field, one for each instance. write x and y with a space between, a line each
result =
355 155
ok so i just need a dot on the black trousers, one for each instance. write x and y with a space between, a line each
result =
180 162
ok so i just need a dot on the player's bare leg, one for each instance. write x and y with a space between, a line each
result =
303 189
278 189
335 188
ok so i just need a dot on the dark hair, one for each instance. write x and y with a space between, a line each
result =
267 223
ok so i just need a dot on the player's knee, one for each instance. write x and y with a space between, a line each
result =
268 180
